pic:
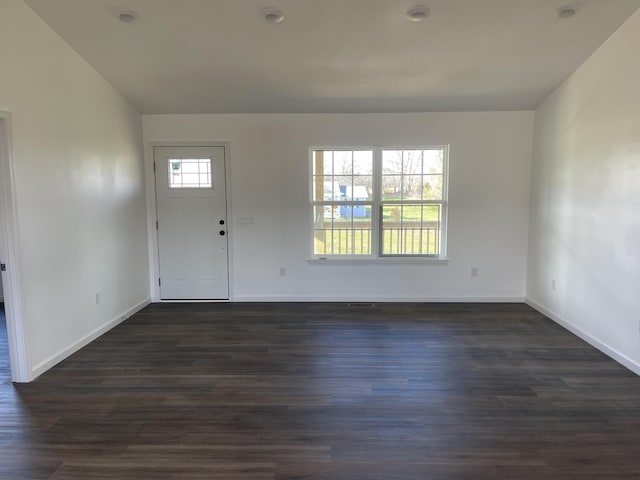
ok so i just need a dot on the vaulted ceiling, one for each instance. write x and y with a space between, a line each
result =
221 56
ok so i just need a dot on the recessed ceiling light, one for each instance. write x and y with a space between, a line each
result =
566 12
418 13
272 15
128 16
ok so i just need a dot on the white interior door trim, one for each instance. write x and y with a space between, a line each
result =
16 335
152 213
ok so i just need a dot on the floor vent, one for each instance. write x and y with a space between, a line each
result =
361 305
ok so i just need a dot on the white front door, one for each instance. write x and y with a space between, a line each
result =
192 222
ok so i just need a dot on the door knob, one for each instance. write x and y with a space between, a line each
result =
222 232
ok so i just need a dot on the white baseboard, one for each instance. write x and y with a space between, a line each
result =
45 365
376 298
587 337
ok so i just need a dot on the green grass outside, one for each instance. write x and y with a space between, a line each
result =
340 237
358 242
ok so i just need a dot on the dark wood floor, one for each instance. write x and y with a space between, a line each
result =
326 391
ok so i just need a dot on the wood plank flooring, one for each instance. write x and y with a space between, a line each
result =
327 391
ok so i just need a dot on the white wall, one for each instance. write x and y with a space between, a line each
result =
585 214
488 214
79 183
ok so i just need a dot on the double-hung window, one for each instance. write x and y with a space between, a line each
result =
379 202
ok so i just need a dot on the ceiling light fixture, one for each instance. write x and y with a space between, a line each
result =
128 16
418 13
566 12
272 15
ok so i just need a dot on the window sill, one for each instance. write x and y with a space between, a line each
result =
378 261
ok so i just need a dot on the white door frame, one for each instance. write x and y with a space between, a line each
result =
16 336
152 215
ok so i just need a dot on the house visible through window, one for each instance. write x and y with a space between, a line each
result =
379 202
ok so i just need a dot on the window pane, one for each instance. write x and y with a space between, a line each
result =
411 229
331 190
189 179
412 187
363 162
392 162
411 162
322 162
362 188
392 187
433 161
343 162
345 186
189 166
324 189
342 230
189 172
318 188
432 187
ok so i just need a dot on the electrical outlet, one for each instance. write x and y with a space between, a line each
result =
474 272
283 272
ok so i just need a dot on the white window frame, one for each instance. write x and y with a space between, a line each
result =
377 203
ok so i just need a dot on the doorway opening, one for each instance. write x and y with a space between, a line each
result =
14 365
5 366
